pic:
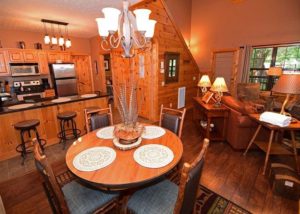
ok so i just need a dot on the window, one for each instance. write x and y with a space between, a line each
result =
262 58
172 67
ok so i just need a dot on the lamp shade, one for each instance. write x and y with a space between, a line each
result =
204 81
53 40
288 84
102 27
150 28
68 43
61 41
47 39
274 71
219 85
112 15
142 18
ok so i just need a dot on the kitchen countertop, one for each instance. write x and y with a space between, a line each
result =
45 103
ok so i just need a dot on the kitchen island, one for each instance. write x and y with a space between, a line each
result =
46 112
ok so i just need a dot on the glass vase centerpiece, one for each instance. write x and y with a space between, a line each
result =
129 131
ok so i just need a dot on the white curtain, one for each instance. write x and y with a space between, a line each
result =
245 63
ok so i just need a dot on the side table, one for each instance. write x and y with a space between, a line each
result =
211 114
272 147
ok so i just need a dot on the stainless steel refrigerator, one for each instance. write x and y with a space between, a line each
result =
64 79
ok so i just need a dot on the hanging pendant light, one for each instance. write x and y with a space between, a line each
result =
53 38
68 41
46 37
61 40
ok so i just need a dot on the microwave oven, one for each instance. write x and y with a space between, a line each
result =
24 69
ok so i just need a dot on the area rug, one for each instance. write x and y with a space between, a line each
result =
211 203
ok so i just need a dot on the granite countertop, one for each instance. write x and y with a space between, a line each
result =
45 103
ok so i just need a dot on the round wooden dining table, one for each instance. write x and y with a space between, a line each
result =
124 172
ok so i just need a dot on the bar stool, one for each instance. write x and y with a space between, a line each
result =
28 126
67 133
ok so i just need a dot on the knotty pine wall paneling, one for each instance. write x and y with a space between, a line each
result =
170 39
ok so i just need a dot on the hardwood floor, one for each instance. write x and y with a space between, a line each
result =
226 172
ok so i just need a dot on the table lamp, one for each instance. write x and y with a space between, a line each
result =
204 82
287 84
219 86
274 72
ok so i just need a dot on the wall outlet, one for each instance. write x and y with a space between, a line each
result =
162 83
194 78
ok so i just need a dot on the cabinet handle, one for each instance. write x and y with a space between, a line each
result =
96 66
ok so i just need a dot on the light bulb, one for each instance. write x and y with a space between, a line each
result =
61 41
68 43
47 39
54 40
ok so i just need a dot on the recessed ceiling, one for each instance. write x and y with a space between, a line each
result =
80 14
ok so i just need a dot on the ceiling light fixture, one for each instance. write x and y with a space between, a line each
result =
53 40
131 30
46 37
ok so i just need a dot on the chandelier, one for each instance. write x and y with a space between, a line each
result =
61 41
131 30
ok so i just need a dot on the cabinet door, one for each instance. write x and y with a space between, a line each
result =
66 57
30 56
84 74
53 56
43 62
4 71
15 56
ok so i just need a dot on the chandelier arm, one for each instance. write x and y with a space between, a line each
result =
105 42
134 29
114 42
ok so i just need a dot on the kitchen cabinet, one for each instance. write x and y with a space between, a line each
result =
19 56
30 56
4 69
43 62
84 73
15 56
53 56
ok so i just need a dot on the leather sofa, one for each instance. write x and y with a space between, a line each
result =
240 128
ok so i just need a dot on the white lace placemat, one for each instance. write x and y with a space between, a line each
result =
61 100
152 132
94 158
153 156
88 95
106 133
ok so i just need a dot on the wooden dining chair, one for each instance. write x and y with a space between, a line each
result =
96 118
73 197
166 197
172 119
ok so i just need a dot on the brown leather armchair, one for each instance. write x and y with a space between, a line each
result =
240 128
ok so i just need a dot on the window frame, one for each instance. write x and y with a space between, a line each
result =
267 82
171 56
